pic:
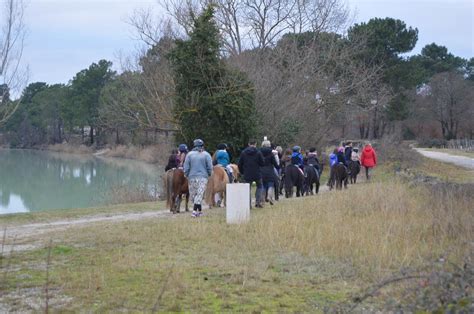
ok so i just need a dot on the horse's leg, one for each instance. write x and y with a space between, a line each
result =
178 203
317 186
173 203
187 201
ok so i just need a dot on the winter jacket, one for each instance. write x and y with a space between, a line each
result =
198 164
297 159
355 156
313 159
348 153
173 162
222 157
368 158
332 159
269 165
341 158
250 161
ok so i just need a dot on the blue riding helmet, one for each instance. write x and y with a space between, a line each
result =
296 149
198 143
183 148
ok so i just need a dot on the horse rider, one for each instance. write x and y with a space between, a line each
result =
198 169
250 162
341 158
183 151
348 151
332 163
173 160
355 155
297 158
312 157
223 159
269 170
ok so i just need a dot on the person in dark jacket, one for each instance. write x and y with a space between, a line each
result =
348 151
341 158
250 162
173 160
269 175
313 159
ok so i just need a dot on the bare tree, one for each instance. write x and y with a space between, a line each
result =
12 36
450 101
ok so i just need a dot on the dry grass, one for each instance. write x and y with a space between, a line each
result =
150 154
70 149
300 255
446 171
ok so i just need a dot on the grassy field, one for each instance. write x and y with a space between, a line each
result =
301 255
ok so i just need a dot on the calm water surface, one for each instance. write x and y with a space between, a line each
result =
37 180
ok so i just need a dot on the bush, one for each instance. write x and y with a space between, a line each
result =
432 143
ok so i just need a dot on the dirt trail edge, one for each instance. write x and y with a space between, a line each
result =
462 161
27 236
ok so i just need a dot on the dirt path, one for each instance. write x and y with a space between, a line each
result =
462 161
31 236
28 236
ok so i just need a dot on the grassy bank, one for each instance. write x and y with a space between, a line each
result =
306 254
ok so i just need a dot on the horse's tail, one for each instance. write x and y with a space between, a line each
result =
209 193
169 187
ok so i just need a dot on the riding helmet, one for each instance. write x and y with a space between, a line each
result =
198 143
296 149
183 148
222 146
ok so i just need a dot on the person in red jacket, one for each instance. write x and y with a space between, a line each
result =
368 159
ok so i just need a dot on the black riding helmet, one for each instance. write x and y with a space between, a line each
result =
222 146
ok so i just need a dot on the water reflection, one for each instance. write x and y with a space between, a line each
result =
35 180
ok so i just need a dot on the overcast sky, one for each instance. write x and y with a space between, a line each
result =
66 36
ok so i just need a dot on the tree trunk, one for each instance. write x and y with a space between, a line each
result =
92 135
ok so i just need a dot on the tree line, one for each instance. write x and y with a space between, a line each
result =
235 69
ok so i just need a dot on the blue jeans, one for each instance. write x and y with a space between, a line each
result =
258 191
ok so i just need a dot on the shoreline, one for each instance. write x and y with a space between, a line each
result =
151 154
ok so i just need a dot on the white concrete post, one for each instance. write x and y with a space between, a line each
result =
238 203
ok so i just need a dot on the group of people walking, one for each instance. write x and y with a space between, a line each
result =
260 166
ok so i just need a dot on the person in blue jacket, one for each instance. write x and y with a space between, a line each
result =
223 159
332 161
297 158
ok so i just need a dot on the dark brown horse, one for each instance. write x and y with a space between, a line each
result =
311 177
293 177
339 176
354 169
175 185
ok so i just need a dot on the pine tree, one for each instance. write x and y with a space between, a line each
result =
213 102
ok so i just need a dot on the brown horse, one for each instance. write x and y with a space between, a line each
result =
339 177
175 185
216 185
235 172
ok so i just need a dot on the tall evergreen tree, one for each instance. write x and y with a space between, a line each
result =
213 102
86 87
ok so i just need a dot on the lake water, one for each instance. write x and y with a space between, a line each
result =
37 180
